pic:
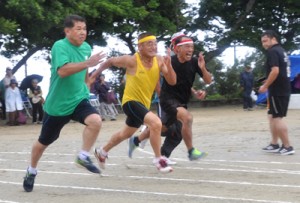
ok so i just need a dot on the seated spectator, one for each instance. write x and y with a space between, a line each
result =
37 101
13 102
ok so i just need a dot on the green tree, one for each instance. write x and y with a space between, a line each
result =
236 22
38 23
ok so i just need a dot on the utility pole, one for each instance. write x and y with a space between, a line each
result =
25 69
234 53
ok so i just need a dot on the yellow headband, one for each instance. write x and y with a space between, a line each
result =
145 39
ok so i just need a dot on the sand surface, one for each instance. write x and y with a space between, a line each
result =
236 170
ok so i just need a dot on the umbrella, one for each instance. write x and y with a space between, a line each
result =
26 82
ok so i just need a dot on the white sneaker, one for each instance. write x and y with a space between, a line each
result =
100 157
170 162
162 165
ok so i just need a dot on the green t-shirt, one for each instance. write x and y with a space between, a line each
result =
66 93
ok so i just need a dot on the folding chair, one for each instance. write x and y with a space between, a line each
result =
94 101
26 104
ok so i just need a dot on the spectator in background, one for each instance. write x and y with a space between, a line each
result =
13 102
5 83
8 77
103 90
37 101
2 100
247 82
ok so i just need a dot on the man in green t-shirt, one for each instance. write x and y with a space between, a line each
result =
68 96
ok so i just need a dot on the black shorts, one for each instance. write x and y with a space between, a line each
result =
278 106
52 125
169 111
135 112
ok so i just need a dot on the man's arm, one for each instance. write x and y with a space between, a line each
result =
167 69
125 61
207 77
271 77
71 68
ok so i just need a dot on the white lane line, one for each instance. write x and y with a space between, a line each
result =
191 167
7 201
165 179
268 171
248 170
202 162
176 159
147 192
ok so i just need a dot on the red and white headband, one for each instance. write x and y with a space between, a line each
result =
185 41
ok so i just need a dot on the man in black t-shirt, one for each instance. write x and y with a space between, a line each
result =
278 86
174 98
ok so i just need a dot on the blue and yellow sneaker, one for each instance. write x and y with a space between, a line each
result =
87 164
195 154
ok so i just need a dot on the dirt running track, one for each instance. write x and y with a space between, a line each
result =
236 170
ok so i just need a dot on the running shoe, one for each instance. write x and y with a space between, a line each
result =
88 164
28 182
162 165
196 154
100 157
131 146
286 151
170 162
271 148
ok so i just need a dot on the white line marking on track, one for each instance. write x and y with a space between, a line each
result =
164 179
6 201
146 192
177 159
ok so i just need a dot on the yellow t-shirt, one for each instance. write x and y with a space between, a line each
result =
140 87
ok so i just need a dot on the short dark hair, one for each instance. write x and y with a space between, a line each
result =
270 34
144 34
71 19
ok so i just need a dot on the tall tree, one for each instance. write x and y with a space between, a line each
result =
240 22
38 23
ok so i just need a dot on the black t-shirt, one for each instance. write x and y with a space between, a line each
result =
186 73
276 56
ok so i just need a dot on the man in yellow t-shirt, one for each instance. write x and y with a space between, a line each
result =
142 76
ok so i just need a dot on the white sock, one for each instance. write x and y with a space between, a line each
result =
83 154
103 153
156 159
32 170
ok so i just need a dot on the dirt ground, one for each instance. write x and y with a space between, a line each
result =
236 170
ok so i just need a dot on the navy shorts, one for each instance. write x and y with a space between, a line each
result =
169 111
52 125
135 112
278 106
